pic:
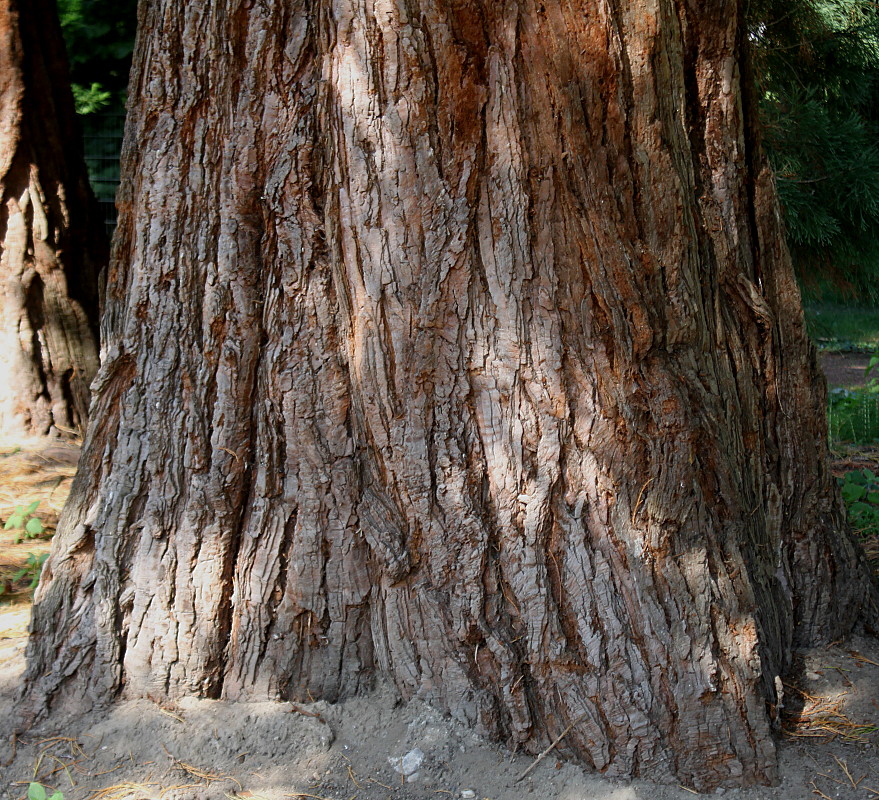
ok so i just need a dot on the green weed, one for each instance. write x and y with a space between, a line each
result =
860 490
32 568
36 791
24 519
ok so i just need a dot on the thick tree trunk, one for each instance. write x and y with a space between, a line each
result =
52 244
454 341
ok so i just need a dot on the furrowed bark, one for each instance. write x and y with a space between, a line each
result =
52 244
454 341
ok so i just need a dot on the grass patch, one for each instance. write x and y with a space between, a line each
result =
843 328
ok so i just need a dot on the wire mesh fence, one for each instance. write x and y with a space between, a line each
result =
102 141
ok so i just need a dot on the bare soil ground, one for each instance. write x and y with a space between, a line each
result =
376 747
847 370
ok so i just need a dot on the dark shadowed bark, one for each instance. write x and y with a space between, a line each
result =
52 244
454 340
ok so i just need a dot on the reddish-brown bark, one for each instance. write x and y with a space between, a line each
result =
454 341
52 245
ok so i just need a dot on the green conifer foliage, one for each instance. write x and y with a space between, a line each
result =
99 35
817 64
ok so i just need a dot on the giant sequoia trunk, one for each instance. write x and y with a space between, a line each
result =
52 244
454 340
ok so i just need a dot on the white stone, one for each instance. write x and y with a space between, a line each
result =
408 764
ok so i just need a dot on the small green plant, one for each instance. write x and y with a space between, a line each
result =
36 791
23 518
32 568
860 490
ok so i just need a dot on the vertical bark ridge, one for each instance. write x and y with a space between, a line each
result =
466 375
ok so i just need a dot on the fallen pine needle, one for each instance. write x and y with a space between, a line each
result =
816 790
96 774
64 766
294 709
686 789
177 788
121 791
204 775
305 794
55 739
844 767
822 717
245 796
640 497
549 749
383 785
353 778
831 778
858 657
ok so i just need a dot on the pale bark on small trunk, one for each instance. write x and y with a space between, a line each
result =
454 341
52 244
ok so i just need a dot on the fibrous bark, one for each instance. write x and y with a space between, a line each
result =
52 245
454 341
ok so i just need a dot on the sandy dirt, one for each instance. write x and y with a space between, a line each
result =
355 750
375 747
